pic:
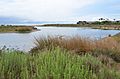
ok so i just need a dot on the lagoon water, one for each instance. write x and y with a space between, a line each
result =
25 41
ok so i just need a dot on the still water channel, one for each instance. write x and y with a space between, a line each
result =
25 41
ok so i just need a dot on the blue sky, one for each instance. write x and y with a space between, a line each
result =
19 11
105 9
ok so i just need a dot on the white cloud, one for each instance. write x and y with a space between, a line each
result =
42 10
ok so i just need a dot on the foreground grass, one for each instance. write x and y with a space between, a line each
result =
20 29
53 64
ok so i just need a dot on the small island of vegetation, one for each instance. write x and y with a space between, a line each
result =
14 28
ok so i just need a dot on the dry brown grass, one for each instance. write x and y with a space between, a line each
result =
108 43
6 29
109 47
77 43
24 29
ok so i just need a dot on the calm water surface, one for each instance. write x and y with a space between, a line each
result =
25 41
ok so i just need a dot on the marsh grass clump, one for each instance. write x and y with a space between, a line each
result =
75 44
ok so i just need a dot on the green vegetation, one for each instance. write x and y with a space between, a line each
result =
20 29
101 21
53 64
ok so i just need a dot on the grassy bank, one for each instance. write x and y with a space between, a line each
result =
107 27
63 25
20 29
93 26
